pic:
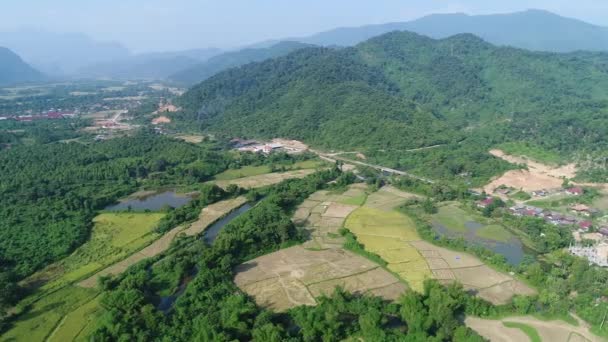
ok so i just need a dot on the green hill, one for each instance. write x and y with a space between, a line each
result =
202 71
13 70
402 90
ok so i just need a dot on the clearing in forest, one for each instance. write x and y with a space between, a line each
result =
393 236
513 329
297 275
538 176
208 216
263 180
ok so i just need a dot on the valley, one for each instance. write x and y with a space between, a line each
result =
361 184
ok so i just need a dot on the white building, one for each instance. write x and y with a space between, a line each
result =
597 254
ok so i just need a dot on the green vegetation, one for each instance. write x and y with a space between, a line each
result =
521 195
77 325
351 244
114 236
494 232
45 314
358 200
531 151
213 308
453 218
225 61
528 330
256 170
401 91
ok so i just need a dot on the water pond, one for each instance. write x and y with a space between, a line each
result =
512 249
152 202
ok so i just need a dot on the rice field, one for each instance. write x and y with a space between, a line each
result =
46 314
114 237
392 235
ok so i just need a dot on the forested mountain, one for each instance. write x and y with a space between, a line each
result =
158 65
532 29
14 70
214 65
401 82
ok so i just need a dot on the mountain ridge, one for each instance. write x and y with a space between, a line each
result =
13 70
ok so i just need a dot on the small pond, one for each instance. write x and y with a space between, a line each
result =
153 202
513 250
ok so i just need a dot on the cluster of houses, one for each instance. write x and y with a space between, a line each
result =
50 115
553 217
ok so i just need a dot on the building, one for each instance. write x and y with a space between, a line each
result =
585 225
597 254
485 202
581 209
575 191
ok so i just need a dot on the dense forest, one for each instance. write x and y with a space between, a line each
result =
402 90
50 193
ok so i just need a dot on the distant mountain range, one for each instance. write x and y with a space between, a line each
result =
13 70
214 65
77 55
532 30
149 66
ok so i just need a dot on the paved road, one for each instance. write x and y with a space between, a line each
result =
333 158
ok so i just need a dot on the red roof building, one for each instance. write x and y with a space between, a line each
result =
585 225
485 202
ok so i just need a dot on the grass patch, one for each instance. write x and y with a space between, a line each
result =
453 218
521 196
531 151
494 232
44 315
528 330
357 200
78 324
246 171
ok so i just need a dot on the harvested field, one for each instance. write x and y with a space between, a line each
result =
393 236
553 331
323 215
260 181
495 331
295 276
388 198
208 216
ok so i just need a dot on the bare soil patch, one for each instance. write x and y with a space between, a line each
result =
265 180
554 331
295 276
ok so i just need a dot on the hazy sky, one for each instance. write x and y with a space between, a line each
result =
145 25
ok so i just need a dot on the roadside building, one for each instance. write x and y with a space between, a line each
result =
488 201
581 209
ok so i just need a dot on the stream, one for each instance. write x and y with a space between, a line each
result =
209 236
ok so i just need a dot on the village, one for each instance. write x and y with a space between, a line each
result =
589 228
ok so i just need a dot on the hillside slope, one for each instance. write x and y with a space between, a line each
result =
216 64
403 89
14 70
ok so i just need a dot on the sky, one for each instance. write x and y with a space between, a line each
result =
162 25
